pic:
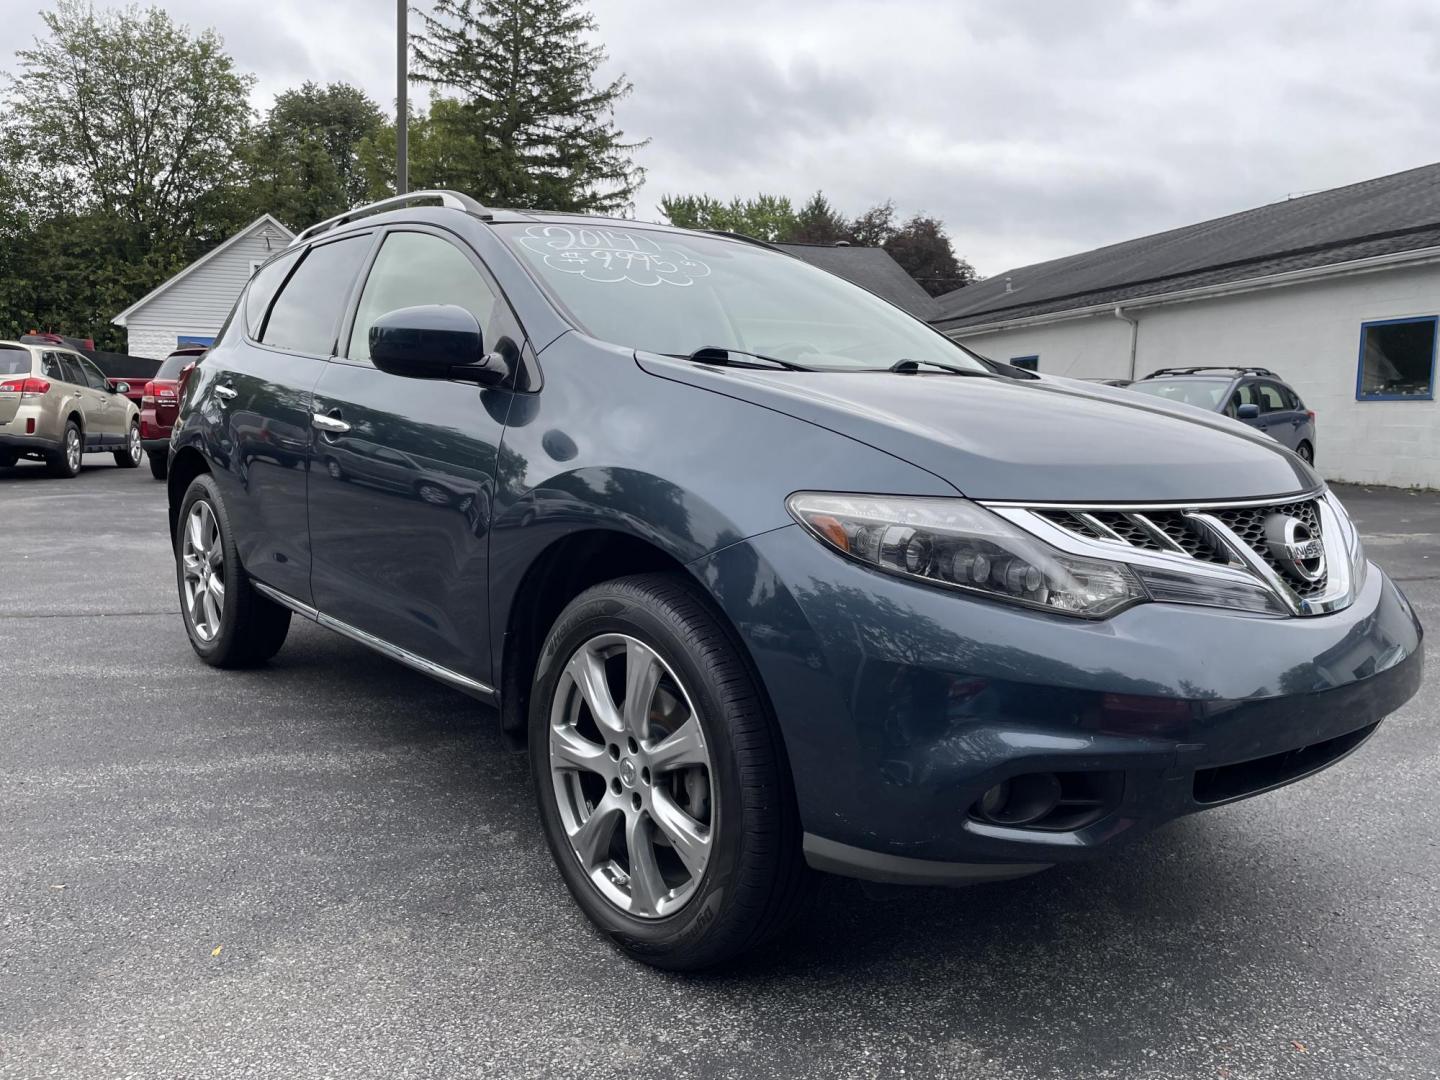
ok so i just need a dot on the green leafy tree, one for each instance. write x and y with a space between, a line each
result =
120 129
924 250
529 125
765 217
875 227
304 158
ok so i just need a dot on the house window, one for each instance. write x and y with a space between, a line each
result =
1397 360
1028 363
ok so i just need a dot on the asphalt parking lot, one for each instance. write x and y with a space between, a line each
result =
332 868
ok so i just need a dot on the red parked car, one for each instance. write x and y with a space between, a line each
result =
159 403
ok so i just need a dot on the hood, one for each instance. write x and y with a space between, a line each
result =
1046 440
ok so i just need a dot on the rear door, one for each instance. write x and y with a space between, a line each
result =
262 387
400 512
85 397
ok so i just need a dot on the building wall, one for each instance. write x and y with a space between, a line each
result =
198 304
1309 334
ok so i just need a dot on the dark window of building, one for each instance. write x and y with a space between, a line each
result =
1397 360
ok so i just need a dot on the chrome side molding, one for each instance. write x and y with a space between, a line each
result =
473 687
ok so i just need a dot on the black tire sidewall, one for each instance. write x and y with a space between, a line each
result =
613 610
159 463
203 487
60 463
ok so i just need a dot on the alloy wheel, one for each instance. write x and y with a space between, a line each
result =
203 560
72 449
132 444
632 776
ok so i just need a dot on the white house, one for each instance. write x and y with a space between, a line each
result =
190 308
1337 292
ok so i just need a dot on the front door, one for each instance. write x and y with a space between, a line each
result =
1279 414
102 425
403 474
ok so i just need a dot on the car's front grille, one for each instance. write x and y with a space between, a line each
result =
1184 531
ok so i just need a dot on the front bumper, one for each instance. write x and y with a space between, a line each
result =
901 704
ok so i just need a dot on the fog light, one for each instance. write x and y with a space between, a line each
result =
1021 799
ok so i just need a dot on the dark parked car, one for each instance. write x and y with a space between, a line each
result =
765 572
1253 395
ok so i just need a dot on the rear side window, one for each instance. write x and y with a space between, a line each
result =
304 316
1272 398
73 372
262 290
414 269
51 369
14 361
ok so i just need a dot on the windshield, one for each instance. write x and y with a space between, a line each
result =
677 292
14 361
1203 393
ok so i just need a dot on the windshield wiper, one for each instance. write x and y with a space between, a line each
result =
725 357
912 367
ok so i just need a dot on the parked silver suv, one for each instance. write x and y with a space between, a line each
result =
56 405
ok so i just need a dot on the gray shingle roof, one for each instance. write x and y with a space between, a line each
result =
871 268
1390 214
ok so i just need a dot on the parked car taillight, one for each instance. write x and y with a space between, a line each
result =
147 395
1310 413
25 387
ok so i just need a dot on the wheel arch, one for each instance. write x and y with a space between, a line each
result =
186 464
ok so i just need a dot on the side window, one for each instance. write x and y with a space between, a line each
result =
305 315
414 269
74 373
1271 399
51 369
1244 395
262 290
93 378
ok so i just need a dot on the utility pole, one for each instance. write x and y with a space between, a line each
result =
402 118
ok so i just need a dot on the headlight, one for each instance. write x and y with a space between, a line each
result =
956 543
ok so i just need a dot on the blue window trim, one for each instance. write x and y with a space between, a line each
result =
1360 395
1019 361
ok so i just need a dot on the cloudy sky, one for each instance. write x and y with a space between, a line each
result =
1033 128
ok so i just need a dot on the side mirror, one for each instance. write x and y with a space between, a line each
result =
434 341
1248 412
120 388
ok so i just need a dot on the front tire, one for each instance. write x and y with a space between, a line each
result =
662 782
1306 452
229 623
129 456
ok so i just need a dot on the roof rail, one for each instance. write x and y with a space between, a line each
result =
1241 370
453 199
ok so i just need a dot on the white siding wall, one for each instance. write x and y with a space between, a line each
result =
197 304
1309 334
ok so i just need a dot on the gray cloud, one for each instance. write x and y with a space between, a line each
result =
1034 128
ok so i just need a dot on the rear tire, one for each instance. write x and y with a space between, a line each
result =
159 463
65 462
1306 452
742 881
129 456
231 626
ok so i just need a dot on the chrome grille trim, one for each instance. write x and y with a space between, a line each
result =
1208 539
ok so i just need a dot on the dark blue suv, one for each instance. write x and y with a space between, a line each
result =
764 573
1255 396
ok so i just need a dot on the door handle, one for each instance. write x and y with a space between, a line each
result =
226 393
331 424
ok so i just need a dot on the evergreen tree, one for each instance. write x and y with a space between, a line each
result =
817 222
530 127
